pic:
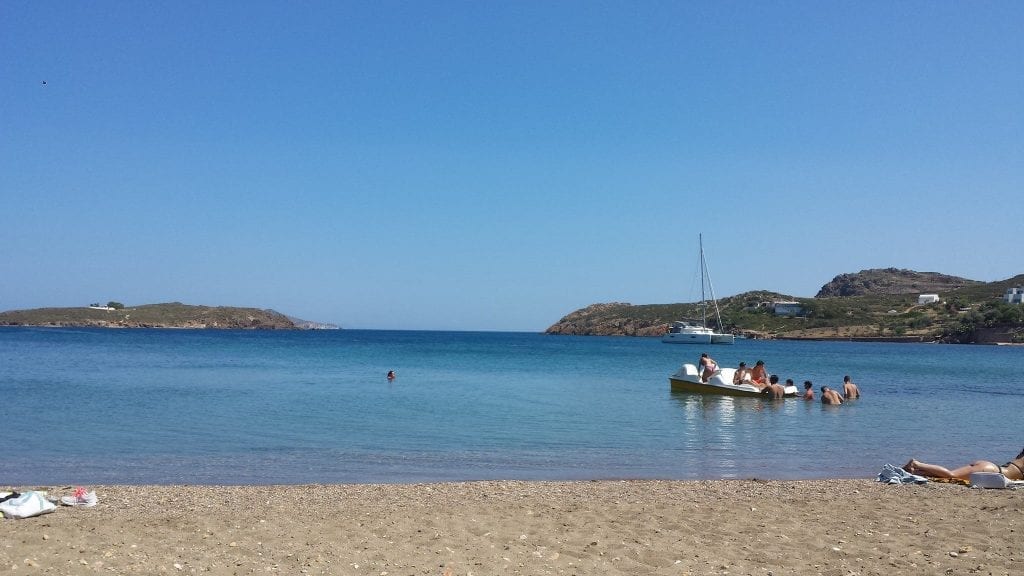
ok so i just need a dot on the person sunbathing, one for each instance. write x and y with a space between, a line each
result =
1013 470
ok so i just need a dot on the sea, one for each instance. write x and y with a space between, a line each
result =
152 406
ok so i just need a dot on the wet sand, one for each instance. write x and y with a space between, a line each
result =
831 527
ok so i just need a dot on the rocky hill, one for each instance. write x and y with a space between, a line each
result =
968 311
170 315
617 318
624 319
891 281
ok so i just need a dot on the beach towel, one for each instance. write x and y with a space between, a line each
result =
959 481
895 475
29 504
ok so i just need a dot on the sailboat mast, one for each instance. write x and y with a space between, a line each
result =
711 287
703 270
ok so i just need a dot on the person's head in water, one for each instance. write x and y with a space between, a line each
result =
773 379
808 385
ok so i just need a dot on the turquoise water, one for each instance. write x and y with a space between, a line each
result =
225 407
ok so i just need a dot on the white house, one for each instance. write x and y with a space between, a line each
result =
787 308
927 298
1014 295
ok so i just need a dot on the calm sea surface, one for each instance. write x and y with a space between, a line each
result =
238 407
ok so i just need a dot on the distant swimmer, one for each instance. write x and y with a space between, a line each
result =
391 374
808 390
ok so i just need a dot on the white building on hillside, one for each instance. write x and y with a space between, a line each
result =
927 298
787 308
1014 295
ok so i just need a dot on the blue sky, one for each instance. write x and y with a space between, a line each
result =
496 165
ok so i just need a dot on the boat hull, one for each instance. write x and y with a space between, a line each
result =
677 338
679 385
720 384
686 332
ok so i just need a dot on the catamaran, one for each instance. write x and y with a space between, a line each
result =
692 332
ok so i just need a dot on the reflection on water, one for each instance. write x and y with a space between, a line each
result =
737 437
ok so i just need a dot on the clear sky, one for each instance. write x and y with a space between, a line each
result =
496 165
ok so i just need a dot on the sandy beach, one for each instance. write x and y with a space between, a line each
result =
832 527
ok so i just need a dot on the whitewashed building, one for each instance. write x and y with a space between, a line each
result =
927 299
787 308
1014 295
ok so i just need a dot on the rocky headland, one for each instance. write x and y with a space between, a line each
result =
168 315
876 304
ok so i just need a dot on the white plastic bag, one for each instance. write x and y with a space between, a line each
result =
989 480
29 504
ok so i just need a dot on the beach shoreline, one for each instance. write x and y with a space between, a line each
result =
835 527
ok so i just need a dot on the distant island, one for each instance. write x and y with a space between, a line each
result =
879 304
168 315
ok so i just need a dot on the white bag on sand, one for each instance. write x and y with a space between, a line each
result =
29 504
989 480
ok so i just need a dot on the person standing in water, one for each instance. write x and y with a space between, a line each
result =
830 396
850 390
808 390
774 391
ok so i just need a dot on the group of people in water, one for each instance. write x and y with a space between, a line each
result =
769 385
